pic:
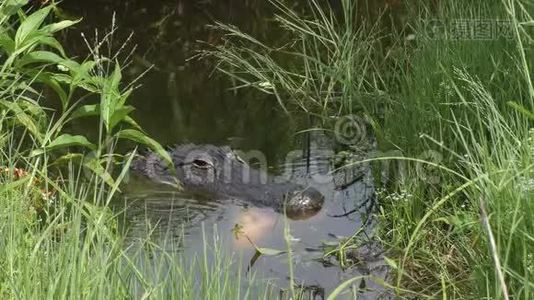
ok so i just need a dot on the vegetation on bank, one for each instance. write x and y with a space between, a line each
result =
59 237
449 96
455 109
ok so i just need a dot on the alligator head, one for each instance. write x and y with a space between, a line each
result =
219 172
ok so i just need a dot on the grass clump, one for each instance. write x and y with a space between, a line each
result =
59 236
457 109
326 65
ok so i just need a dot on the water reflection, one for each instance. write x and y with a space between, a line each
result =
182 100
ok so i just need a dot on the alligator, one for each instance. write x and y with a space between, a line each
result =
218 172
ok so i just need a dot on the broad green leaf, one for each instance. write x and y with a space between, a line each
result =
87 66
30 25
94 165
62 78
66 140
32 107
264 251
269 251
56 87
48 79
81 73
116 76
88 110
10 7
51 42
98 82
88 86
110 96
133 123
23 119
7 43
139 137
120 115
30 43
39 56
123 98
70 64
55 27
34 40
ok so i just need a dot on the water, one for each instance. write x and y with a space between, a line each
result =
182 101
172 219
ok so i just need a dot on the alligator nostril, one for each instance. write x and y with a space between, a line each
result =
304 204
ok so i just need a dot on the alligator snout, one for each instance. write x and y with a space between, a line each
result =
303 204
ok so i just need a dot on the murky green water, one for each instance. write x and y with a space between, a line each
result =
165 216
183 100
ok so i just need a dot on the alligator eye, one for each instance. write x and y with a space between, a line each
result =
200 163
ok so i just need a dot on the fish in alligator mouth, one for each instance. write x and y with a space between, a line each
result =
218 172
